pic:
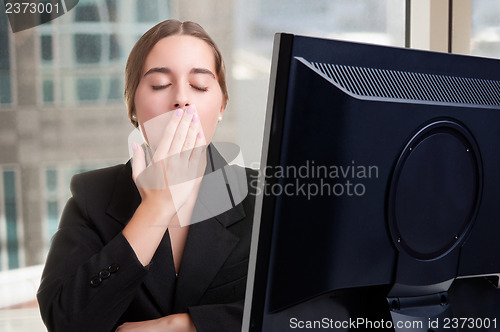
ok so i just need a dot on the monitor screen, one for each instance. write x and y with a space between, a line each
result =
378 192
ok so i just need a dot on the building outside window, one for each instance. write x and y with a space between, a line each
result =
5 83
57 179
485 28
11 222
256 22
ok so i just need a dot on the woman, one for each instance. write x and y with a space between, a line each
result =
119 260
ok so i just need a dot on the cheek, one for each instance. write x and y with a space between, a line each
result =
209 124
209 115
147 104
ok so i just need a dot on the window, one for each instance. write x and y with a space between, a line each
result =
147 11
46 45
57 192
88 88
5 87
114 47
10 221
485 28
52 200
88 48
86 12
48 90
83 54
111 7
256 22
115 89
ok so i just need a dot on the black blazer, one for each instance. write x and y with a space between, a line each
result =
93 281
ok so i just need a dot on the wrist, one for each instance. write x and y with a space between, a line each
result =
179 323
158 211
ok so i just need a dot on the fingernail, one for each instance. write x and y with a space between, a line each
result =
179 112
195 118
200 134
134 146
190 109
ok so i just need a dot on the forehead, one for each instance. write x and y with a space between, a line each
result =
179 53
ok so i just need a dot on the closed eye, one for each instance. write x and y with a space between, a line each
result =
199 88
160 87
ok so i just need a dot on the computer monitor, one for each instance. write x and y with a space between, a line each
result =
379 190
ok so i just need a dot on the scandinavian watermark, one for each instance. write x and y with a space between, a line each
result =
311 179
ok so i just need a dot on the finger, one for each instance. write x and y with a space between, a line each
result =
168 135
199 147
191 136
182 130
138 160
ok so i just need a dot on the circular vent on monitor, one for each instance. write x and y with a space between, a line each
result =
435 190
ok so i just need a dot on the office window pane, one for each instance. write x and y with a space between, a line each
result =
112 12
9 183
255 24
88 89
147 11
295 7
86 12
115 89
4 43
375 21
88 48
52 217
485 28
114 47
5 87
46 45
48 90
51 180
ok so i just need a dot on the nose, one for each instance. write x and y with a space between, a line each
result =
181 99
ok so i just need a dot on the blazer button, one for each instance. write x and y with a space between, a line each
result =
95 281
104 274
113 268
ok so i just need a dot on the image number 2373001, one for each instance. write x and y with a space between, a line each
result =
24 14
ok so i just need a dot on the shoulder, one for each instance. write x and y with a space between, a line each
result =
252 176
243 195
98 181
96 188
251 173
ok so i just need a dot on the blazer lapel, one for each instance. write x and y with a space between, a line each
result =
209 242
208 245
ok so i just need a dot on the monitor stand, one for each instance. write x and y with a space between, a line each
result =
429 313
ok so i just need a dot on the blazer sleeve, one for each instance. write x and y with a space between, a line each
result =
87 283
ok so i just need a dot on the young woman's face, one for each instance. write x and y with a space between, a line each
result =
179 72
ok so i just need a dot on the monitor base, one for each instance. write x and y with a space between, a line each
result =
428 313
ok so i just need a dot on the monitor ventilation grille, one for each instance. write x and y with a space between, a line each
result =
371 82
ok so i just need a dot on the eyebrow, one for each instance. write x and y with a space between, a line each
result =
165 70
202 71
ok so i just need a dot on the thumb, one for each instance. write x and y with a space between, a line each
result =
138 161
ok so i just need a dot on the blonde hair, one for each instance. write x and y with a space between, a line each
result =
141 49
